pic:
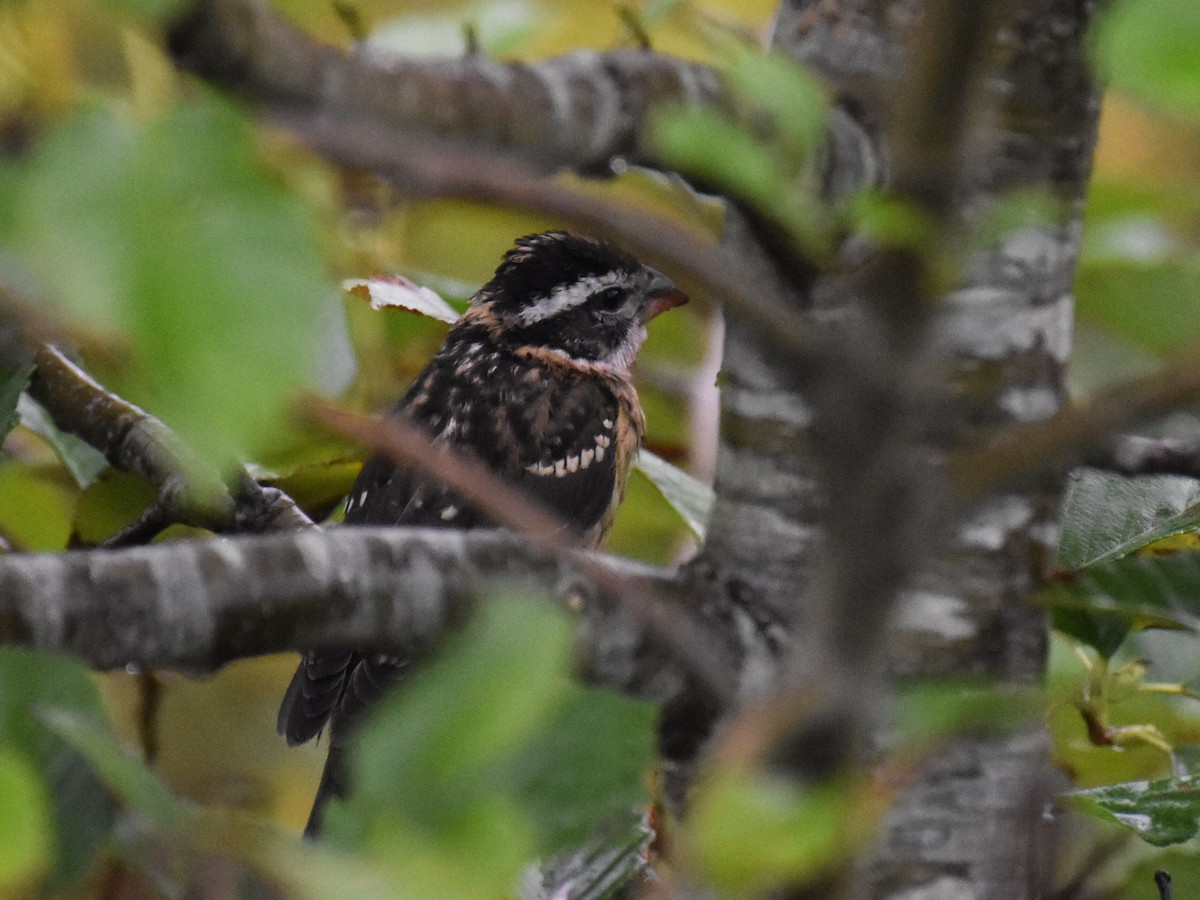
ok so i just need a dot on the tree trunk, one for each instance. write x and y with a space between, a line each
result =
972 825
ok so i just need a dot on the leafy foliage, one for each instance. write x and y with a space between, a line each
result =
24 824
190 247
177 239
84 462
465 777
1103 604
689 497
1161 812
1107 516
13 380
752 832
125 776
772 173
80 812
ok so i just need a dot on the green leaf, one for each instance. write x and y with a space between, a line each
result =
318 487
1160 812
81 459
125 775
1151 48
431 739
751 832
715 147
1105 602
173 233
893 222
587 768
692 499
1106 516
81 809
795 99
490 756
601 867
421 801
26 841
112 502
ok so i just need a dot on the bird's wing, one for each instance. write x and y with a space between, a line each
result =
571 469
553 440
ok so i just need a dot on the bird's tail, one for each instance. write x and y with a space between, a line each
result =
333 784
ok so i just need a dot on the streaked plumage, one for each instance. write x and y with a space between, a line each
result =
534 381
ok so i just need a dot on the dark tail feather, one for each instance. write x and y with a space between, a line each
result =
332 785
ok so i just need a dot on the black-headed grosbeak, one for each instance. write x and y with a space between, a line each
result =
534 380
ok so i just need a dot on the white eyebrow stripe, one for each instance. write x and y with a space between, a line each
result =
569 296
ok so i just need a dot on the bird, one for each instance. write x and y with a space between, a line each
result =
534 380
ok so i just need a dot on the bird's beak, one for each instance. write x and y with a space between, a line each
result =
661 296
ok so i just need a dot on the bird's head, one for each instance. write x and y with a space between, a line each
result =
576 296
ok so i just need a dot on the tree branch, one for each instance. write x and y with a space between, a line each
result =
426 167
1133 455
196 605
580 110
411 447
189 490
477 129
1072 436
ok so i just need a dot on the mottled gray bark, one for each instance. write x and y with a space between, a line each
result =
196 605
188 489
579 110
972 826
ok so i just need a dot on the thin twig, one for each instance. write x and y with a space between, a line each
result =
1162 880
150 693
153 521
411 447
631 19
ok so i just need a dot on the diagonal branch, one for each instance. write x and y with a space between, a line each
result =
411 447
189 490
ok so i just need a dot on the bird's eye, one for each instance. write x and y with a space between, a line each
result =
609 299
